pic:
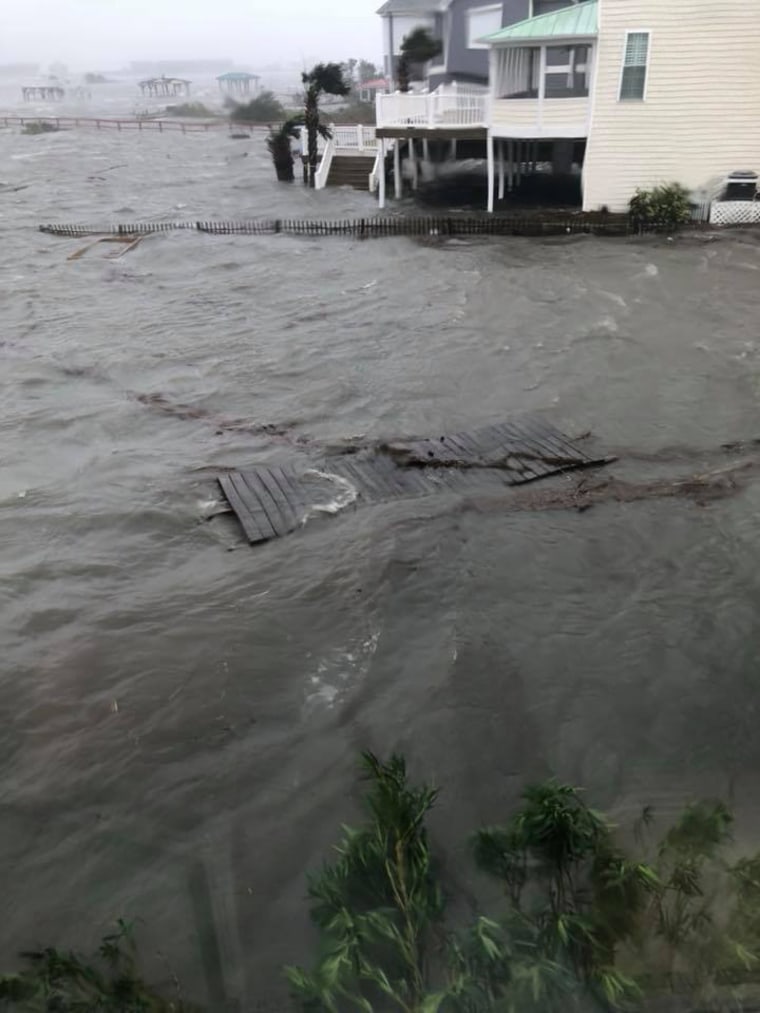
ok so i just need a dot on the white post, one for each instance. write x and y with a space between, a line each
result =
511 160
360 136
426 149
501 170
381 181
541 88
413 157
489 151
454 149
397 169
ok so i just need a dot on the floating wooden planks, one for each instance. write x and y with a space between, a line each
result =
272 501
524 449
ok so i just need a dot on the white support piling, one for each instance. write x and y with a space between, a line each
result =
426 149
381 179
489 152
501 169
397 169
413 157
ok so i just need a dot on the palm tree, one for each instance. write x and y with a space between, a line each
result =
278 143
323 79
418 46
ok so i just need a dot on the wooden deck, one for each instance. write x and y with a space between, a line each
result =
272 501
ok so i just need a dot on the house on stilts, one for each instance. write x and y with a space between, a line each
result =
626 93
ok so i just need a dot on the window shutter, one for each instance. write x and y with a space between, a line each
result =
482 21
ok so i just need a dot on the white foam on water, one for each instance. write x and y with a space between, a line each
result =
338 671
211 507
347 495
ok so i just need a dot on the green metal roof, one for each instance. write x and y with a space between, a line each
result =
580 19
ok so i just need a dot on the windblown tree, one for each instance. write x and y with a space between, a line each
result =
279 146
418 47
323 79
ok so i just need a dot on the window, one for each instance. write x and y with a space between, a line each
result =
566 72
633 80
482 21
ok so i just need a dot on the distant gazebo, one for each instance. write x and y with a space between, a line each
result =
238 82
165 87
43 93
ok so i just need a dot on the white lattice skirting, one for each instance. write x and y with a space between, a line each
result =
735 212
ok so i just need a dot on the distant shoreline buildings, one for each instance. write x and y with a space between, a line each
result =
156 68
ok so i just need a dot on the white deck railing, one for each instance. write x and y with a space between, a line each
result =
448 107
354 138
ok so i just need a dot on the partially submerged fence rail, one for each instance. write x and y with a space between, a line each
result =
107 123
391 225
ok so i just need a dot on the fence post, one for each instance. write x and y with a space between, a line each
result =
359 136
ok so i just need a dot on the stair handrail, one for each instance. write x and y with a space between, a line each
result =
323 169
377 166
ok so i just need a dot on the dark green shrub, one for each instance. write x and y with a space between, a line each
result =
664 206
265 108
39 127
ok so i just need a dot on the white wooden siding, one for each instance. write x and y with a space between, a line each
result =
701 115
528 118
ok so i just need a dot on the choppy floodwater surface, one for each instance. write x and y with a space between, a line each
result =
182 710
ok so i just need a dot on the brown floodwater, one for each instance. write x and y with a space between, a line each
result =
182 714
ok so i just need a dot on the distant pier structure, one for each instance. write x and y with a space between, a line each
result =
165 87
43 93
238 82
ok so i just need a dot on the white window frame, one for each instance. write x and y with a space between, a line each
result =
570 69
635 31
487 8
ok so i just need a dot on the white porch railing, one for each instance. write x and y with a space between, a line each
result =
448 107
354 138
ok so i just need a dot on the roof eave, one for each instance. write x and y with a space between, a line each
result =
540 40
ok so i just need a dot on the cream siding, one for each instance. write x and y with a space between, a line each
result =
528 118
701 115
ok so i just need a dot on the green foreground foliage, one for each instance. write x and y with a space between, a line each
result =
65 982
580 923
667 206
579 917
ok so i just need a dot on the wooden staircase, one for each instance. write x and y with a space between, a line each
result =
351 170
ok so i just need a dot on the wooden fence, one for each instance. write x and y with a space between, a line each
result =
549 224
133 123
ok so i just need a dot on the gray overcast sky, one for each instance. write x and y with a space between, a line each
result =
95 34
